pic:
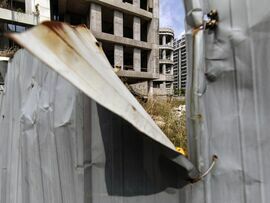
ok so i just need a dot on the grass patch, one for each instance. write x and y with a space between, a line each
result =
171 121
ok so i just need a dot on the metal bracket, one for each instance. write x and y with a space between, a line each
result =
214 160
213 20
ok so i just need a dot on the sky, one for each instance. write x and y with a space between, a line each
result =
172 15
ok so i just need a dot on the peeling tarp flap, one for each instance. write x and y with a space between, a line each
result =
76 55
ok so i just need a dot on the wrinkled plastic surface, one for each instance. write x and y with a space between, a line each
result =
76 55
60 146
228 108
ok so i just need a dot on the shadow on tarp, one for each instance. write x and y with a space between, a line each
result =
135 164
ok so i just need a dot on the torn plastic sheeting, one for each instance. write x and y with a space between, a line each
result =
76 55
234 108
91 155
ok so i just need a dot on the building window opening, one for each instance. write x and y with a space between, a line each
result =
128 1
144 4
144 60
55 15
75 19
184 63
168 85
144 30
15 5
128 26
157 84
107 20
128 58
3 71
108 49
9 47
168 40
168 55
18 6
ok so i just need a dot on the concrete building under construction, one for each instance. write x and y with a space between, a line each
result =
180 66
163 86
126 29
18 15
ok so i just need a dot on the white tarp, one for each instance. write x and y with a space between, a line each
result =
76 55
228 101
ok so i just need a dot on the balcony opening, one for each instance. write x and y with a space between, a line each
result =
168 69
183 63
128 26
55 15
160 68
144 60
144 30
128 1
75 19
169 40
108 49
168 85
157 84
128 58
107 20
144 4
168 55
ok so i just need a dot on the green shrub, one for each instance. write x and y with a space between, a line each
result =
168 119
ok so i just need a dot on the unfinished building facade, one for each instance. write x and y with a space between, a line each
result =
163 86
180 66
128 32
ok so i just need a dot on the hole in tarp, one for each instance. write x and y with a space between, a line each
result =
135 164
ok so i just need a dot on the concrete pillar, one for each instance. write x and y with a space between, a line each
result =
171 69
163 39
66 18
150 89
3 71
163 54
118 23
172 41
95 17
137 3
171 56
137 28
137 36
137 59
164 69
29 6
153 38
119 56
